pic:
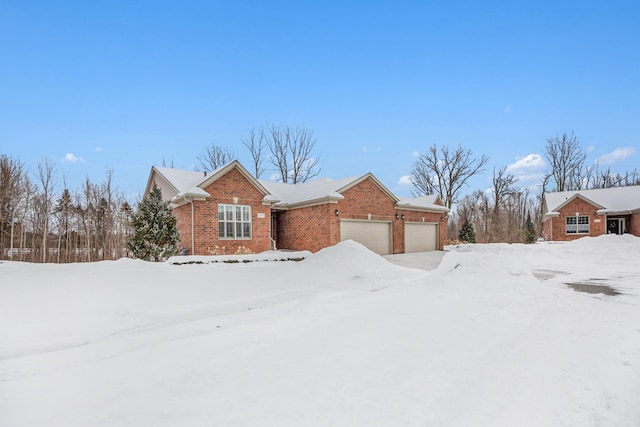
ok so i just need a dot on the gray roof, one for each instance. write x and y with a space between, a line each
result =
191 184
608 200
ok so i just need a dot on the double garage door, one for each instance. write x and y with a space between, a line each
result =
378 236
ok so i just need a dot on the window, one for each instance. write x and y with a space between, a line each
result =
234 221
577 225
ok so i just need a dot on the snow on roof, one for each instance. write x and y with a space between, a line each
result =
181 179
617 199
185 182
321 188
286 195
424 202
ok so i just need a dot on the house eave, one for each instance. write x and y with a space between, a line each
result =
614 212
550 215
434 209
183 199
333 199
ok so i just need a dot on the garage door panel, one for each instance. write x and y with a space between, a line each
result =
374 235
420 237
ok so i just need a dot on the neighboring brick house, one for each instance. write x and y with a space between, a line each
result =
229 211
573 214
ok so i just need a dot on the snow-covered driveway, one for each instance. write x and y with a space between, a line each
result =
342 338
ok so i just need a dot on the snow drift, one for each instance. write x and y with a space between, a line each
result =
493 336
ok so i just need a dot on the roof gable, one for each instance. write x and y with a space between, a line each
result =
373 179
184 186
220 172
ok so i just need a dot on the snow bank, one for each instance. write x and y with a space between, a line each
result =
341 338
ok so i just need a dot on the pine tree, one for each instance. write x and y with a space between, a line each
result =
467 234
529 230
155 235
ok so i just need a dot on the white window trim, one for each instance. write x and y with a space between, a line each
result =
582 225
234 220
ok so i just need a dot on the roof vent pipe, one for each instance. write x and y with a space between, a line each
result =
205 173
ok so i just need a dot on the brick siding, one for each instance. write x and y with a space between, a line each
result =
308 228
231 188
556 228
634 224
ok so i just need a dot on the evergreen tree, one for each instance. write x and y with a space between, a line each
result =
155 235
529 230
467 234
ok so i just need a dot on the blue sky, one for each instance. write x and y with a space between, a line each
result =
126 84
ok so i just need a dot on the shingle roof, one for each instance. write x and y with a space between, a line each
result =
610 200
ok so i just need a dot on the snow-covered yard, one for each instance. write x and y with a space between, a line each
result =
492 337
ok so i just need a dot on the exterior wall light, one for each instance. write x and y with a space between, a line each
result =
397 216
403 217
337 212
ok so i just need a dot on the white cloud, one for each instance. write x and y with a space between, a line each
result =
527 163
415 154
616 155
527 169
591 148
71 158
99 149
507 109
405 180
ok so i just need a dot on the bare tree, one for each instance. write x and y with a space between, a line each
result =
255 143
444 172
291 153
567 160
215 157
46 177
503 188
12 177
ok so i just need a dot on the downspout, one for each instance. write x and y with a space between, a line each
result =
193 236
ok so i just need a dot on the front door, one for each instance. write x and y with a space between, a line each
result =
615 225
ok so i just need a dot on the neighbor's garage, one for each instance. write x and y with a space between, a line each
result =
375 235
420 237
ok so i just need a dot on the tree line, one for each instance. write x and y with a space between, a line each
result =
41 221
37 224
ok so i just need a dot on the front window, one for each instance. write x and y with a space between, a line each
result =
234 221
577 225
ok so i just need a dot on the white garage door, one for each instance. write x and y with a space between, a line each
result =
420 237
374 235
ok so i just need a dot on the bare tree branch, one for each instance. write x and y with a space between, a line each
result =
444 172
566 159
215 157
255 143
291 153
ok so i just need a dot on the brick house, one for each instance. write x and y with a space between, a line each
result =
228 211
569 215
